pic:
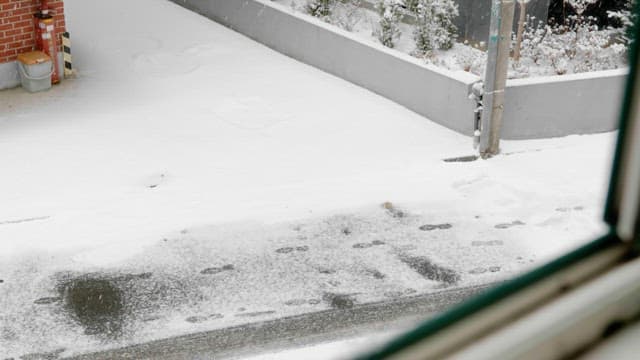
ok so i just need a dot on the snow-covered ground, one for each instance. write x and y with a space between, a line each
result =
215 182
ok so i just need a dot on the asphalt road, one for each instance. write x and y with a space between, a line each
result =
294 331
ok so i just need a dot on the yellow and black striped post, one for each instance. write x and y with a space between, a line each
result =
66 50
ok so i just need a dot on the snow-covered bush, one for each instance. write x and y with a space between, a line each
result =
434 27
578 46
343 13
470 59
320 8
346 14
625 18
410 5
581 5
388 30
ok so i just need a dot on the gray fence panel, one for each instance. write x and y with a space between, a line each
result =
475 17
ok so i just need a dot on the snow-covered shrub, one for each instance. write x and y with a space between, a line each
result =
346 14
343 13
320 8
410 5
470 59
388 30
434 27
625 18
578 46
581 5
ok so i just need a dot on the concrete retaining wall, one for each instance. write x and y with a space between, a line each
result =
563 105
535 108
439 95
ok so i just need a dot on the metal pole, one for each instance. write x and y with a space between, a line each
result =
502 13
521 22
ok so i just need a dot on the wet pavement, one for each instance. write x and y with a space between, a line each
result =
200 280
343 321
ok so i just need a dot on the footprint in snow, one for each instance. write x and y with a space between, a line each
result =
569 209
376 274
286 250
430 270
510 225
393 294
431 227
362 245
300 302
393 211
295 302
203 318
326 271
216 270
47 300
397 294
339 301
482 270
368 245
155 181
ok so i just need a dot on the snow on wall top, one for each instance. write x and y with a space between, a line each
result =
462 76
567 77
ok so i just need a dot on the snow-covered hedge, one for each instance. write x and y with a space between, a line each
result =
576 46
388 30
434 28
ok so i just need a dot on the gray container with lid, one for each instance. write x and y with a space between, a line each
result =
35 70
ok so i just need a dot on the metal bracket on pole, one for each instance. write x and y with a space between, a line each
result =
477 92
502 13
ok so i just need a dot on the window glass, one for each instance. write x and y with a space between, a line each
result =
221 176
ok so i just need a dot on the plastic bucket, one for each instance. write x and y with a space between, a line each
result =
36 77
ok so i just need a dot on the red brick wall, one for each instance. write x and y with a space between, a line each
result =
17 29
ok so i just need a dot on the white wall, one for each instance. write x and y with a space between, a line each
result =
563 105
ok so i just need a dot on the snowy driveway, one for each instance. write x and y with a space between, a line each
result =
215 182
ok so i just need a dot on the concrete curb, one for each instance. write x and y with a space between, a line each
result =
294 331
